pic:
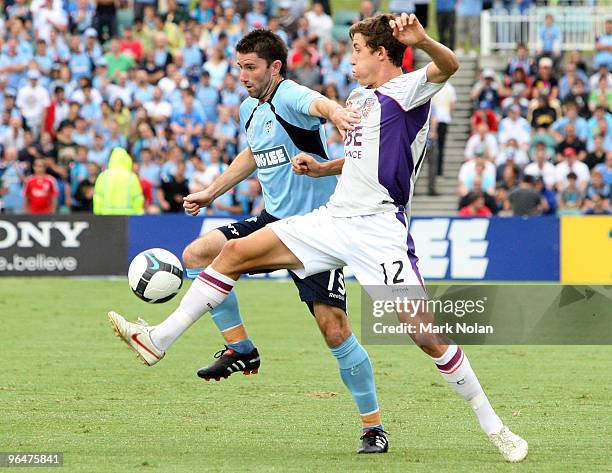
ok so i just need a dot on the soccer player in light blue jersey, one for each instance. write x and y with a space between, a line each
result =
282 119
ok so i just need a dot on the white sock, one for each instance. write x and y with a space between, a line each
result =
206 292
456 370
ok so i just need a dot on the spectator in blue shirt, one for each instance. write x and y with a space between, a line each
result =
570 116
13 64
80 63
100 152
603 48
550 39
208 96
12 176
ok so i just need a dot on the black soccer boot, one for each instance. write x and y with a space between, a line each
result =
374 441
228 362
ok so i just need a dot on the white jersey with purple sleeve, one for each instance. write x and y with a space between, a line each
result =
384 154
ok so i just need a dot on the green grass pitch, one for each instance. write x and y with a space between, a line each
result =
68 384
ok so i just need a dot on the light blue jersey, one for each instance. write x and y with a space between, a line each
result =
278 130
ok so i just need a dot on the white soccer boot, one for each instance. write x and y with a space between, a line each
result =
511 446
138 337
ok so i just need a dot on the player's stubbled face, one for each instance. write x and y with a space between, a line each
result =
364 61
255 74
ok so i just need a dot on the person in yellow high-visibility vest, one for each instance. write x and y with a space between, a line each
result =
117 190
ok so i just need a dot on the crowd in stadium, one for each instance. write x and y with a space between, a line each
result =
80 78
541 140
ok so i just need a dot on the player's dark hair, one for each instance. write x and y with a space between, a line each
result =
266 45
377 33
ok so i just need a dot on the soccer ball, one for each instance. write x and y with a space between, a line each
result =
155 275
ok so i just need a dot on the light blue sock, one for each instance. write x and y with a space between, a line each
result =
226 315
356 372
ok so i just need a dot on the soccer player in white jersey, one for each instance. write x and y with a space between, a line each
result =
364 224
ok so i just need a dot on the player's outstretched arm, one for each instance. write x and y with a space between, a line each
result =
408 30
306 165
343 118
241 168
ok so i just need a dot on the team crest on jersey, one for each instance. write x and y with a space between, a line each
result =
367 106
268 127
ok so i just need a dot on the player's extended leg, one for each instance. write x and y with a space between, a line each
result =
456 370
355 371
199 254
260 250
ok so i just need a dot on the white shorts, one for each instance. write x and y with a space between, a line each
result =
378 247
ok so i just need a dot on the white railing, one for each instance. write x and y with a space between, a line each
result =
579 27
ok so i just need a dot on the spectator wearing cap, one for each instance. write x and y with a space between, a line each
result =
542 167
32 100
570 164
13 64
515 127
545 82
485 91
559 127
603 47
549 39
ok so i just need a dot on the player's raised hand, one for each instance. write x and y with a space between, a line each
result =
305 165
194 202
345 118
407 29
